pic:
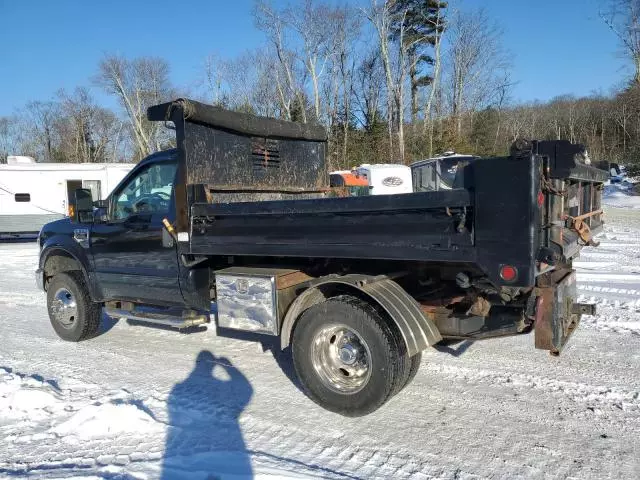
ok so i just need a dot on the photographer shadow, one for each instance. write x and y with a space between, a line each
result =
204 434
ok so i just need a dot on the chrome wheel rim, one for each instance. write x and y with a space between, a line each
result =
64 308
341 358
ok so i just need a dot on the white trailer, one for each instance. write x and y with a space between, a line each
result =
32 194
386 179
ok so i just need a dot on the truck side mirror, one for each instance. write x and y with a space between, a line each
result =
83 209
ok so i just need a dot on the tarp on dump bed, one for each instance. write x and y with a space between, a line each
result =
235 152
243 123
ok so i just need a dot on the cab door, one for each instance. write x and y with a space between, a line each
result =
133 258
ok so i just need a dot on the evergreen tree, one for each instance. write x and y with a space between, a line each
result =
420 23
483 132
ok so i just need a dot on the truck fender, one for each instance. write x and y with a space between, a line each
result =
75 257
418 331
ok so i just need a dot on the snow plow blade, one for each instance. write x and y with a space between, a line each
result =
557 315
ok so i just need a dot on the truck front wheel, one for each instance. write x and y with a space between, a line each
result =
347 357
73 315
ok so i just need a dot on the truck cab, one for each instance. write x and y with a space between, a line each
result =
122 241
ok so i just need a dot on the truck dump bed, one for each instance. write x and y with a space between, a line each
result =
399 227
255 186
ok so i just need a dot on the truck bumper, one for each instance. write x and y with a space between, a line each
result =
40 279
557 314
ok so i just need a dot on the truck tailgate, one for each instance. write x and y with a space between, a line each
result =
571 198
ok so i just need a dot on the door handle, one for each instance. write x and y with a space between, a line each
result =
138 222
137 227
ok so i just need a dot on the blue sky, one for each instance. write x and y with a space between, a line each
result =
558 46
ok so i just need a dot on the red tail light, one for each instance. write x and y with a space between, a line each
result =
508 273
540 199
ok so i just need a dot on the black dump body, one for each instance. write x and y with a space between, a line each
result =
496 219
235 152
228 156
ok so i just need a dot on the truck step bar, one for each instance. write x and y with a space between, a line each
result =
179 319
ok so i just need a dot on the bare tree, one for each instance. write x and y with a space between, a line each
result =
381 17
246 84
625 114
290 91
623 18
478 63
87 132
40 119
75 126
315 24
138 84
438 27
347 29
213 79
9 143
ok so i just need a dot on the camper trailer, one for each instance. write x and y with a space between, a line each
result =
32 194
386 179
346 183
378 179
438 173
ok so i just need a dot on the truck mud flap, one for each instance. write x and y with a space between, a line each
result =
557 314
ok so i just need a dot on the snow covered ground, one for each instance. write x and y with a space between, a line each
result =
145 403
621 195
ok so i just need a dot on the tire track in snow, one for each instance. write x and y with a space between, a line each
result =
14 299
302 452
624 319
267 442
595 293
597 280
609 278
608 273
611 398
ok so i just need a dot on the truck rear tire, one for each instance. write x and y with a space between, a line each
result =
73 315
348 358
416 360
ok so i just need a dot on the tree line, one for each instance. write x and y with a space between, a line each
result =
392 81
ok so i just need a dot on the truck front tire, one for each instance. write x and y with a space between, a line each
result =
348 358
73 315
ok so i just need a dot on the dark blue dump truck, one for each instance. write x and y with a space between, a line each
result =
238 227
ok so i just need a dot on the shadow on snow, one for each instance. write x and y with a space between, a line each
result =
204 436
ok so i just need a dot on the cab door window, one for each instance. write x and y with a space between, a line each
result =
149 192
